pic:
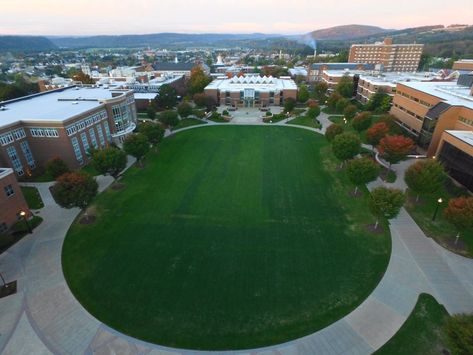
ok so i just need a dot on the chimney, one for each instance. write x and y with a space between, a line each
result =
388 41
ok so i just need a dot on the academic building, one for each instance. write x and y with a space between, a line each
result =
392 57
251 91
63 123
12 202
440 116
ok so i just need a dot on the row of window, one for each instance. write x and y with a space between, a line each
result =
466 120
44 132
413 98
93 140
15 159
410 113
86 122
11 136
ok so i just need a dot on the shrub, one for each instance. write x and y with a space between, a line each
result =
268 114
55 167
225 113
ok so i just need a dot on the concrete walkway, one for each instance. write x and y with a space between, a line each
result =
44 317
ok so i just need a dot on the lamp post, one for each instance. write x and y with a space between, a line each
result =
23 214
439 201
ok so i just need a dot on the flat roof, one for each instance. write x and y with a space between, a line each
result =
464 136
392 78
259 83
145 95
449 92
54 106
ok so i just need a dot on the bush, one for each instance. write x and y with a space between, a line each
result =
361 121
225 113
268 114
199 113
56 167
332 131
184 109
459 332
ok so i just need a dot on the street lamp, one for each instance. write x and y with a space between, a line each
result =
23 214
439 201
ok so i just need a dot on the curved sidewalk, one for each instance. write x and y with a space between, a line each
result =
44 317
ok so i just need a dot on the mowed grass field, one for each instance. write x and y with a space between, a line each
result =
229 238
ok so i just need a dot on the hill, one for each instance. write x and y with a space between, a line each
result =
346 32
25 43
168 40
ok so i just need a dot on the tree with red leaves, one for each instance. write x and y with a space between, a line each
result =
459 212
376 132
393 149
74 190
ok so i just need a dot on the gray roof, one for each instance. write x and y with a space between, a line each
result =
174 66
436 110
341 66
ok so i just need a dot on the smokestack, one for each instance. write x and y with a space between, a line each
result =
315 52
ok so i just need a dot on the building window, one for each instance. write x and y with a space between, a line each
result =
6 138
9 190
101 137
15 160
76 147
19 133
85 142
27 154
93 139
107 131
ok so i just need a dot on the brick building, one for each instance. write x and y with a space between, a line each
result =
393 57
463 65
251 91
315 70
63 123
12 201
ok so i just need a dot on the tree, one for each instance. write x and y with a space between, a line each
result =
386 202
320 89
341 105
303 94
136 145
151 112
332 101
74 189
202 100
379 102
345 87
153 132
198 80
289 104
393 149
425 177
169 118
332 131
55 167
167 97
349 112
362 171
346 146
459 333
376 132
109 161
361 121
83 78
184 109
313 112
390 120
312 103
459 212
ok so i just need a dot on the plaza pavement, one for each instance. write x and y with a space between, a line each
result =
44 317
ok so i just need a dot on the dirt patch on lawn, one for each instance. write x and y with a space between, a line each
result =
355 194
118 186
89 219
371 228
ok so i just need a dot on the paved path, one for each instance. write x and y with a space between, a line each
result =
44 317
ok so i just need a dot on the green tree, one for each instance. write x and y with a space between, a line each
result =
341 105
362 171
425 177
202 100
459 333
313 112
361 121
320 90
154 132
346 146
379 102
393 149
303 94
136 145
198 80
74 189
345 87
109 161
386 203
151 112
169 118
184 109
56 167
166 98
332 131
332 101
289 104
349 112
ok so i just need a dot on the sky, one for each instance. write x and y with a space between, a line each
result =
92 17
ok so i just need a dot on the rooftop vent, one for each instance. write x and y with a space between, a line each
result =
2 108
75 103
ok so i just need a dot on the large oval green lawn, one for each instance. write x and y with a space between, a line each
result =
230 237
